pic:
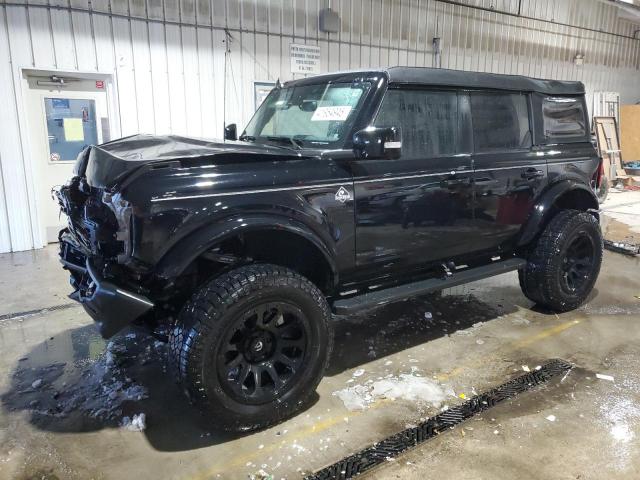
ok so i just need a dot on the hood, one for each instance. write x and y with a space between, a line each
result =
106 164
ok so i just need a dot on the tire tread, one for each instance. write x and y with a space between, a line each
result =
538 278
206 308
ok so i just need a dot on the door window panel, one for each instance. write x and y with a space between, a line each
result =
563 117
71 126
500 121
428 121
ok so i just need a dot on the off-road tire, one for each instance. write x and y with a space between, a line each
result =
216 309
543 279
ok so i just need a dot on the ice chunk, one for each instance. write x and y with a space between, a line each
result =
600 376
136 424
37 383
409 387
354 398
261 475
405 387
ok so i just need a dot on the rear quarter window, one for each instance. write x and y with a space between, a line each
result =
563 118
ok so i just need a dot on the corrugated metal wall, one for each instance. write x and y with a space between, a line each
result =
168 58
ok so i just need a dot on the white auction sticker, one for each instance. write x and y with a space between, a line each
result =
323 114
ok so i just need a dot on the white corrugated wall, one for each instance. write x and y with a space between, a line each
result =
168 58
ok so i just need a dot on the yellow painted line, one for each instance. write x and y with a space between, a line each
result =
243 459
549 332
514 345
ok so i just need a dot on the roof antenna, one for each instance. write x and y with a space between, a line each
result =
278 84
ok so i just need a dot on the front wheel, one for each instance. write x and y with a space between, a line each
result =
565 261
251 346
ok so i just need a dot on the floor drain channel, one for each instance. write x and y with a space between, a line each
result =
40 311
396 444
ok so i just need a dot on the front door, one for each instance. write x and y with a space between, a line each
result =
418 209
62 121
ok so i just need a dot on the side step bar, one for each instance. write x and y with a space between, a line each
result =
369 300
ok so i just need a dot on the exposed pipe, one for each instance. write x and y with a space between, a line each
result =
111 15
265 32
527 17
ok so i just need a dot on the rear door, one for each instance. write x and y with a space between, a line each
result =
416 209
508 173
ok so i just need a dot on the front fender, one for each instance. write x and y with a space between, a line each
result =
188 249
545 203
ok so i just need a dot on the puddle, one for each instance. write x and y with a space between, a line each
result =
77 379
617 231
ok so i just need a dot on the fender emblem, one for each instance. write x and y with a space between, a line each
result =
342 195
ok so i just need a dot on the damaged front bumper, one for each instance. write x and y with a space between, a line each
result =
112 307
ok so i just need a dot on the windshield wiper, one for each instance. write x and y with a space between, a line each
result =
247 138
291 141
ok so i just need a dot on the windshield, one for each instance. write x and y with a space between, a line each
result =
307 115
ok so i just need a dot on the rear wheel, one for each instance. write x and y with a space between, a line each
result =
564 263
603 190
252 345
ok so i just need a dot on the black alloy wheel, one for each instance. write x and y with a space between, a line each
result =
564 261
263 352
577 263
251 346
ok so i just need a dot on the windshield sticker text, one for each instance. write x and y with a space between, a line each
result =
323 114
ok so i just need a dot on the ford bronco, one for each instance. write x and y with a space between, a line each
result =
345 191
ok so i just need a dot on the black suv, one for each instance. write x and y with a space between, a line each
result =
344 192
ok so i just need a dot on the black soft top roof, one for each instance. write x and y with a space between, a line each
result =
455 78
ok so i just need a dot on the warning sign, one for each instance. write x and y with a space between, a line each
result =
305 58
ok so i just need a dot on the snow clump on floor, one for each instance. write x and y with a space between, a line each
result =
137 423
403 387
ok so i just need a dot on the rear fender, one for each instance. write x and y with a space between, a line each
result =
565 190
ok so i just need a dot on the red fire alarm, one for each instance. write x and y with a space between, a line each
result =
99 83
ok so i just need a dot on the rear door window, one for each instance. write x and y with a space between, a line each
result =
563 117
500 121
428 121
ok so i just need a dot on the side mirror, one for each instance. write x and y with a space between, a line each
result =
378 143
231 132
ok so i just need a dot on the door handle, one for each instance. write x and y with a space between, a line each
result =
452 181
532 174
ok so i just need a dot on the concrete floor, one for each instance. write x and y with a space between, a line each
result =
63 392
621 216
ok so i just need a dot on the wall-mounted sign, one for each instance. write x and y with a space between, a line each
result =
304 58
260 92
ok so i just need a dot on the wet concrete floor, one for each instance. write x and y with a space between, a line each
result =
64 392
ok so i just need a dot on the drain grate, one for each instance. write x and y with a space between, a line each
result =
40 311
396 444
